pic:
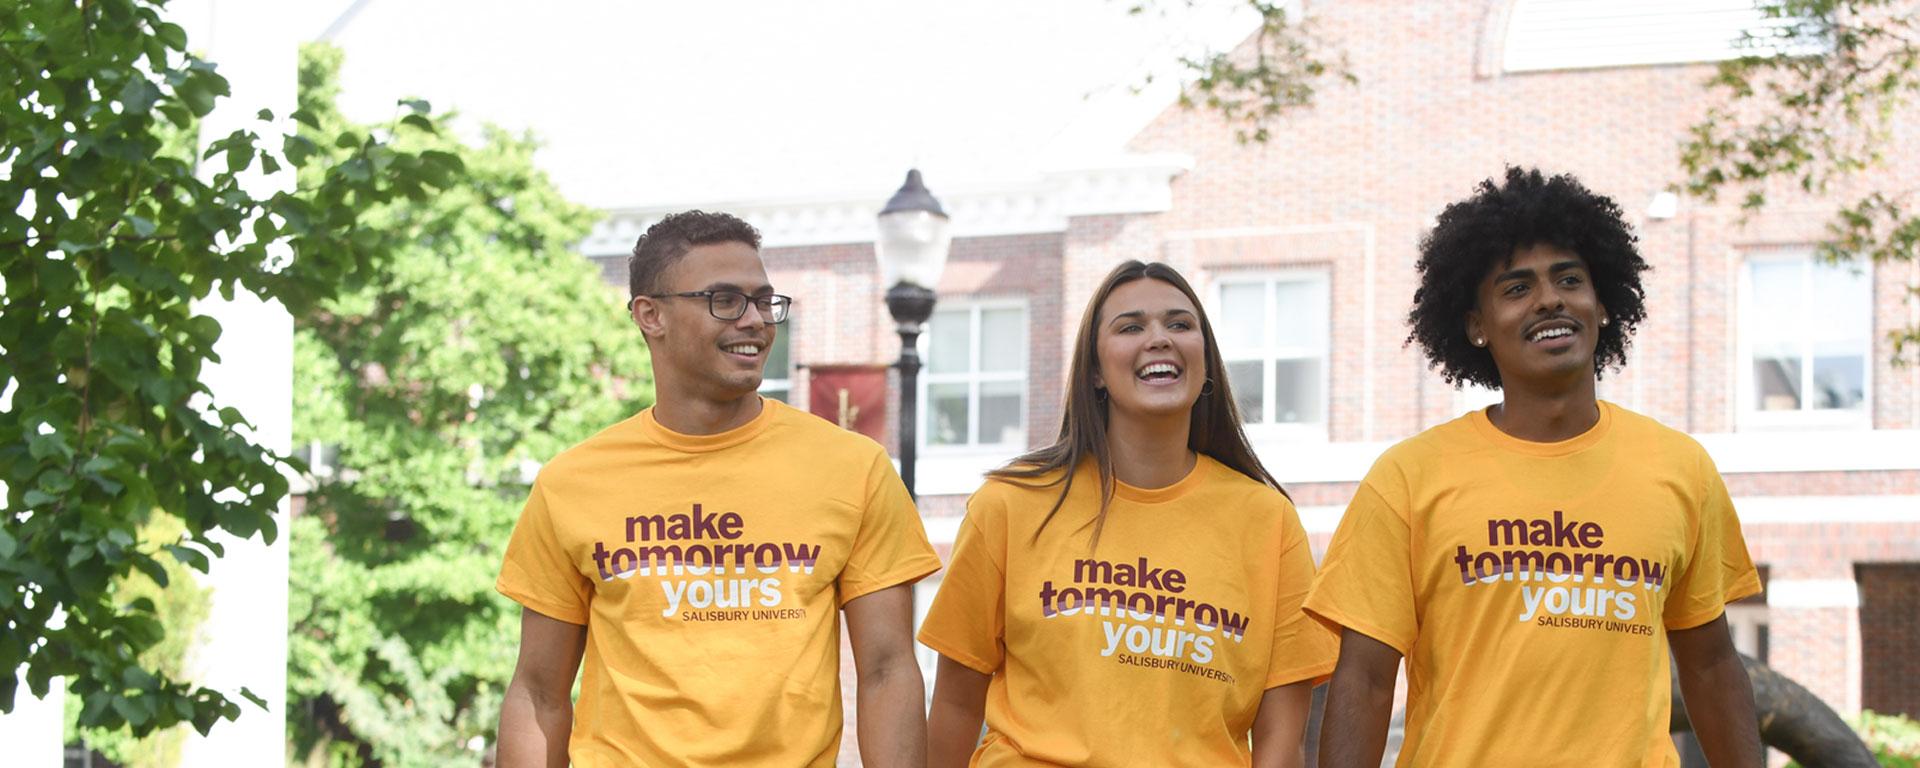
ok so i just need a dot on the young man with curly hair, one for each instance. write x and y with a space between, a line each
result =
699 555
1535 563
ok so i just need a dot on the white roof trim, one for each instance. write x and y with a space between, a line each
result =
1127 184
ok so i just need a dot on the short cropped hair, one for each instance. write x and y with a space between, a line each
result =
1477 235
670 238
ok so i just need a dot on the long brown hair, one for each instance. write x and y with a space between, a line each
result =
1214 428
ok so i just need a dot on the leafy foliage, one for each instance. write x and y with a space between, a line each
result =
1282 68
1812 107
107 240
486 346
180 606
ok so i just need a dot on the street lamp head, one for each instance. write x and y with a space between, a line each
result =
915 236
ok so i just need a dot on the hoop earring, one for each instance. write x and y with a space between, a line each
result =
1206 388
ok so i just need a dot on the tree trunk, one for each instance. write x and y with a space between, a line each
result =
1792 720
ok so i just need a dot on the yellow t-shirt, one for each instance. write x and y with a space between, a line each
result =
1531 586
1153 650
709 571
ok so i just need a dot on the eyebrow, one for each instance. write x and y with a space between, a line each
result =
1526 274
1140 314
737 289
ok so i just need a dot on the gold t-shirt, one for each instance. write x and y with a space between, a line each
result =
1152 650
709 572
1531 586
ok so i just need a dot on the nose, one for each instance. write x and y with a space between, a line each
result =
1157 338
750 319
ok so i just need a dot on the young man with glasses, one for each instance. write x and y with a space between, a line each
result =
699 553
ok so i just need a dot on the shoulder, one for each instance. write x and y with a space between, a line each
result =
1652 438
821 439
1428 447
594 453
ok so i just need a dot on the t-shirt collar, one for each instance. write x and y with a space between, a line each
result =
707 443
1194 478
1569 446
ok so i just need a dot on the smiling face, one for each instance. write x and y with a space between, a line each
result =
1539 317
698 354
1153 356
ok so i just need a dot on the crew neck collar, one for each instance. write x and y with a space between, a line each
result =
1571 445
1185 485
706 443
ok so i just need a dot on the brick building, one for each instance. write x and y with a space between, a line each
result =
1303 249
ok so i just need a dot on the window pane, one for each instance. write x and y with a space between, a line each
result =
1296 391
1839 381
1249 387
946 422
1776 312
778 367
1841 299
1243 310
1002 413
1776 382
948 342
1003 341
1300 314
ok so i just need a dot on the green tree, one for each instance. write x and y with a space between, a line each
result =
106 241
487 346
1812 108
1279 68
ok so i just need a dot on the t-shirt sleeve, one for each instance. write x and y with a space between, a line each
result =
1718 568
537 572
1303 649
1366 581
967 621
891 546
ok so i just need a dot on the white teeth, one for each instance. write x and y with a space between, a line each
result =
1159 368
743 349
1551 333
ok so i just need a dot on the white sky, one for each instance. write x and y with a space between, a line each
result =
657 103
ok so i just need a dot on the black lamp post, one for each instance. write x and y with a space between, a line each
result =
912 250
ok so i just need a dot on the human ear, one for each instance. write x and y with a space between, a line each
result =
647 315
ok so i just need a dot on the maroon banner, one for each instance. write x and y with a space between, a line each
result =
852 396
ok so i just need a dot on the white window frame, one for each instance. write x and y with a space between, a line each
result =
973 377
1749 415
1268 429
1553 35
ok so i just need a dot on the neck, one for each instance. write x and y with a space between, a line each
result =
690 414
1547 414
1149 452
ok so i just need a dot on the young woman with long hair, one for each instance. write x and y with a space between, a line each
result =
1130 594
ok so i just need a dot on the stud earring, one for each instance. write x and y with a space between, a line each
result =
1479 341
1605 321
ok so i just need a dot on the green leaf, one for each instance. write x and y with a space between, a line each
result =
257 701
138 95
8 544
142 226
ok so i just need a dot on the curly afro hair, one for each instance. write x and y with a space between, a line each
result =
1474 236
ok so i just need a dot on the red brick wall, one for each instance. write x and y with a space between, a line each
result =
1890 636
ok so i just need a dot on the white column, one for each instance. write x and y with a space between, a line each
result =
243 642
32 731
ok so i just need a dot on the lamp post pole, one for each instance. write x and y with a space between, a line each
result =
911 305
912 252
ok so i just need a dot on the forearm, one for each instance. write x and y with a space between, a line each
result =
890 706
1279 727
1719 701
1354 730
533 733
952 734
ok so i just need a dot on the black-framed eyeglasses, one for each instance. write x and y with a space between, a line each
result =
732 305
